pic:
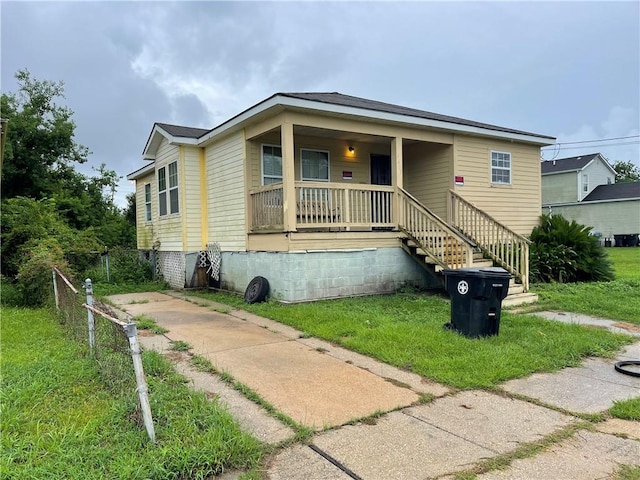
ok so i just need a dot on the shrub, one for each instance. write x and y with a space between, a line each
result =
564 251
34 274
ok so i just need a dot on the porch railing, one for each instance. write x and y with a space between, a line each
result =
504 246
325 205
266 208
441 243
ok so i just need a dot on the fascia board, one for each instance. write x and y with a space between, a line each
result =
141 172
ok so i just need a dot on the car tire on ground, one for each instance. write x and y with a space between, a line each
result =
257 290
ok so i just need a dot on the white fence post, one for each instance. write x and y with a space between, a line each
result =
143 393
55 288
92 326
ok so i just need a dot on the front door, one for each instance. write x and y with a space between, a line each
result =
380 169
380 202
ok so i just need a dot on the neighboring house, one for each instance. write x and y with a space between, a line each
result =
583 189
329 195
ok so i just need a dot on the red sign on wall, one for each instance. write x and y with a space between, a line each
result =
459 180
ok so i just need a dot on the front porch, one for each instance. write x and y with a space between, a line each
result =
315 188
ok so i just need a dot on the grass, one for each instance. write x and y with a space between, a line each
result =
626 409
144 322
59 421
406 330
616 300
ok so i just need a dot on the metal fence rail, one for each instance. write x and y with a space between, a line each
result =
112 343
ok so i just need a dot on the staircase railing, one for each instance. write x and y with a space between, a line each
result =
441 243
504 246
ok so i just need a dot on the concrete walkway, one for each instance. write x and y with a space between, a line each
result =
320 385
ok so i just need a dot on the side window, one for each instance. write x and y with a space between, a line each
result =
501 168
271 164
585 183
173 188
147 202
168 191
162 191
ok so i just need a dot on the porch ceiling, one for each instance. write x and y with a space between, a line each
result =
342 135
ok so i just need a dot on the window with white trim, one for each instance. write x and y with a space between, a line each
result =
173 187
585 183
271 164
315 165
147 202
501 168
168 197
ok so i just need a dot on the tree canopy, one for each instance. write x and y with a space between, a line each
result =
43 197
626 172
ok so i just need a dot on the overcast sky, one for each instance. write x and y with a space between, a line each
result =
569 70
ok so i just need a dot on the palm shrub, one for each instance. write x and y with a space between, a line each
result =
564 251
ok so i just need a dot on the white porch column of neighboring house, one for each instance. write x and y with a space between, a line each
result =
288 177
396 175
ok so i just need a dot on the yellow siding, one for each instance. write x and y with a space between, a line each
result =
518 205
560 188
340 159
145 229
428 174
191 209
225 193
169 226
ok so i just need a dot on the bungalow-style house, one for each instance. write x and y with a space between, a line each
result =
328 195
583 189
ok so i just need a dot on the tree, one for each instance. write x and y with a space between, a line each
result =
626 172
40 147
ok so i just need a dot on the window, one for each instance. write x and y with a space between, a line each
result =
501 168
173 187
315 165
271 164
162 191
585 183
172 190
608 180
147 202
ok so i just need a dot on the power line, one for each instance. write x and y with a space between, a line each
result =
596 141
560 146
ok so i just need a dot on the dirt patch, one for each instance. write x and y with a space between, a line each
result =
627 326
177 356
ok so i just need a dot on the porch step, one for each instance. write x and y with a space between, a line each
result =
482 263
519 299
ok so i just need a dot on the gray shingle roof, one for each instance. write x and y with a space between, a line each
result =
614 191
335 98
179 131
567 164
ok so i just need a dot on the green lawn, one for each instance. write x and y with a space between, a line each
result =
406 330
59 421
616 300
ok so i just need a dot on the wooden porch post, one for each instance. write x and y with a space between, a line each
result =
288 177
396 176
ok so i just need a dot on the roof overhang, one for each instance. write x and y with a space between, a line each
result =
155 138
278 100
141 172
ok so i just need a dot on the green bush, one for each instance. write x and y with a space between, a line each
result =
34 281
564 251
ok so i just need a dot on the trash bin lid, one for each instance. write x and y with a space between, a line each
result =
482 272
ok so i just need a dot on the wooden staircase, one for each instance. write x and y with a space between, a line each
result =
436 245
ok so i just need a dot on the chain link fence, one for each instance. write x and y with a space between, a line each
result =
112 343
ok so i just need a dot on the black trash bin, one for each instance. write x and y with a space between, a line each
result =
476 299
